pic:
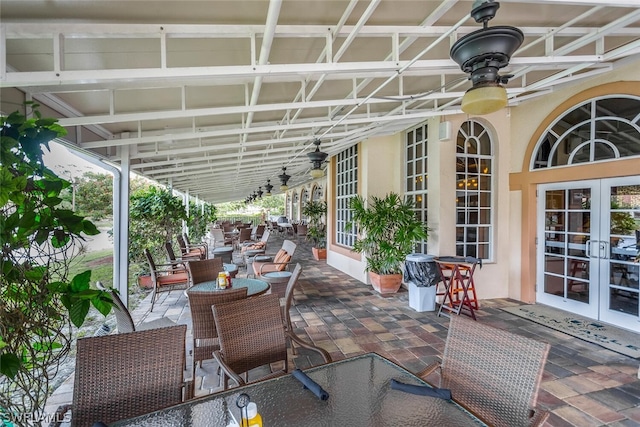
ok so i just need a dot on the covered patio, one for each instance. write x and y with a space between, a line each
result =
583 384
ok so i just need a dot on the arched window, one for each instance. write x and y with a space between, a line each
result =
474 206
417 174
294 207
599 129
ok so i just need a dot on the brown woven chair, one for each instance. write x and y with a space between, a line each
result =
205 335
301 232
252 333
492 372
191 250
244 236
124 321
204 270
172 259
288 296
125 375
166 277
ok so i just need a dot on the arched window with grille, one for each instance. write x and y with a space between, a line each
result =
599 129
474 196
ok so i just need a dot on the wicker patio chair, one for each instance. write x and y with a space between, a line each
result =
205 334
280 262
125 375
172 259
165 277
492 372
257 244
219 238
124 321
244 236
191 250
252 333
204 270
288 301
301 232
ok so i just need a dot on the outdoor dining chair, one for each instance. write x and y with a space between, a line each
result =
492 372
125 375
172 259
301 232
204 270
124 321
252 334
219 239
280 261
165 277
191 250
204 333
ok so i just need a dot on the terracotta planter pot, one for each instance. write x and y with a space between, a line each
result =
144 281
319 254
386 283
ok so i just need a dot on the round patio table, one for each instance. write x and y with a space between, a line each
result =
226 253
231 268
254 286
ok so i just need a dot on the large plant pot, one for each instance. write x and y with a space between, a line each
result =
144 281
385 283
319 254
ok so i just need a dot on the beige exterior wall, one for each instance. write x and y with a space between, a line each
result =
514 130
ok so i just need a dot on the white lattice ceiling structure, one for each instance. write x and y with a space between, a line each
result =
217 96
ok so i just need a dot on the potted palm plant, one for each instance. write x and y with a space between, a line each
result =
388 230
314 211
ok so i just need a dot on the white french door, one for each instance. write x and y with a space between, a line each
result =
588 253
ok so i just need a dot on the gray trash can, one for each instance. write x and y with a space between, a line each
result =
422 276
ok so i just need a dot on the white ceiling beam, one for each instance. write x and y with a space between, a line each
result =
150 31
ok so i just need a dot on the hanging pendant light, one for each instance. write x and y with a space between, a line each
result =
284 178
268 187
317 158
481 54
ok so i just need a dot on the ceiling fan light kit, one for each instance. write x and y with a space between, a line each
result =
481 54
317 158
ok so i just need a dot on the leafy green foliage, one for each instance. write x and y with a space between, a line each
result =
156 217
314 211
199 219
389 229
38 239
94 195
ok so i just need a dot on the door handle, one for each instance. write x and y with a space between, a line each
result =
587 248
604 250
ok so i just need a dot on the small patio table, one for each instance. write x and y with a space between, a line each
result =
359 390
459 287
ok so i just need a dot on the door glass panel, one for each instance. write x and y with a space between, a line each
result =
624 252
567 232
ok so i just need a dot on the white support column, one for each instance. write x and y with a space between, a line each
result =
121 212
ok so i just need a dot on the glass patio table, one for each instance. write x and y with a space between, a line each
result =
254 286
359 391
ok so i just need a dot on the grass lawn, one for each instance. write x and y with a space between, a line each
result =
101 265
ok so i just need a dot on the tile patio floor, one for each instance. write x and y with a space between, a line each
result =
583 384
